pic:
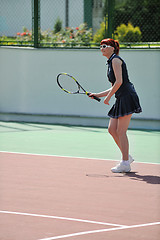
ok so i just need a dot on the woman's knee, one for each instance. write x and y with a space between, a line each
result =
112 131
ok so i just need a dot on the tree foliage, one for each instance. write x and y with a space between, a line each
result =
100 33
128 33
142 13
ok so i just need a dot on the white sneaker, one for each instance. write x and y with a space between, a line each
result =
131 159
121 167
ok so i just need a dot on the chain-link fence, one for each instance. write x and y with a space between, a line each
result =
15 22
79 23
141 17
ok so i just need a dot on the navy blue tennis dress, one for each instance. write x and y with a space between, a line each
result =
127 101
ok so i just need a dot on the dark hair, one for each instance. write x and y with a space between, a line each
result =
113 43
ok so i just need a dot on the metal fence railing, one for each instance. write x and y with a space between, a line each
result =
79 23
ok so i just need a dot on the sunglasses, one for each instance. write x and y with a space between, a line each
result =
104 46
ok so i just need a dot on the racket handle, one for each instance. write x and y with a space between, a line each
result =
96 98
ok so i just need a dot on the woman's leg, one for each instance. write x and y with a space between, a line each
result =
112 129
122 126
118 129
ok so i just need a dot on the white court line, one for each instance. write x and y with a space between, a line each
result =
51 155
63 218
101 230
117 226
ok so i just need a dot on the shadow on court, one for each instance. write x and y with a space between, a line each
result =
145 178
132 175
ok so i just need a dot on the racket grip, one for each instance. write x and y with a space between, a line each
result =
96 98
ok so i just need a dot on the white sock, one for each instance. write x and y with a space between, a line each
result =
126 162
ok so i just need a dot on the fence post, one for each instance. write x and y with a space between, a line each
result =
88 12
111 6
67 17
36 21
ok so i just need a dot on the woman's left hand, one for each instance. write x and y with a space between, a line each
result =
106 100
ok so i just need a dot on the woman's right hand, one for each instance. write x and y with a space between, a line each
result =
93 94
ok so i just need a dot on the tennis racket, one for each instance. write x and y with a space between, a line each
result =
70 85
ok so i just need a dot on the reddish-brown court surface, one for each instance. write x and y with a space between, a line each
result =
48 197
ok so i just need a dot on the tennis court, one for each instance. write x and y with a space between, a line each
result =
55 172
56 183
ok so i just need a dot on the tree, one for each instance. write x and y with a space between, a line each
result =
142 13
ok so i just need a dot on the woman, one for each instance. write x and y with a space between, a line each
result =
126 104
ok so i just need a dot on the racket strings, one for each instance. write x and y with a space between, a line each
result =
68 84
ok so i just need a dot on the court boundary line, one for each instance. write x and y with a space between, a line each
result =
61 218
115 228
87 158
101 230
